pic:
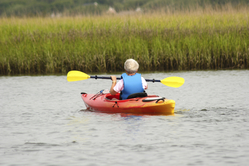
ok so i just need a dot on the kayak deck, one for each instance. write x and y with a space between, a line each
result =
107 103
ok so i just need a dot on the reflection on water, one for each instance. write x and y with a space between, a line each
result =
44 122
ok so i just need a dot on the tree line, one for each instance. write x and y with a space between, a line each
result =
32 8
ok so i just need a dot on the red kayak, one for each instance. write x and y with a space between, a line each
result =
149 104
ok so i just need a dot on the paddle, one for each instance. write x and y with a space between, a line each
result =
174 82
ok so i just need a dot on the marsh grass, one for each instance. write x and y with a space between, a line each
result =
193 40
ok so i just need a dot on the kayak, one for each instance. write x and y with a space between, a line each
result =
103 101
149 104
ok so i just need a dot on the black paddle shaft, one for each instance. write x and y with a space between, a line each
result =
109 78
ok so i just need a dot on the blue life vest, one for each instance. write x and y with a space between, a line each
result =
132 84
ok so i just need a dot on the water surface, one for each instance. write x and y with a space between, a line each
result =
43 122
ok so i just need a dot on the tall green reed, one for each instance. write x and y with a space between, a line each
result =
158 41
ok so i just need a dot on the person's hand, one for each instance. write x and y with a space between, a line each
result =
114 79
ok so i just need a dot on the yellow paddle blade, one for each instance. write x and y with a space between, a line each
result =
174 82
76 76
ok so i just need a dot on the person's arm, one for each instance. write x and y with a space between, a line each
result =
114 81
145 85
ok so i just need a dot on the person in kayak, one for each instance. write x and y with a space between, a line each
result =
131 82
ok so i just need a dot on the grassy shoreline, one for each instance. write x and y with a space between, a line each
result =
195 40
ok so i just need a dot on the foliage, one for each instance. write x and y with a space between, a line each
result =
195 40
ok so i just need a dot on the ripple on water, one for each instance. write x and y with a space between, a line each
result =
41 123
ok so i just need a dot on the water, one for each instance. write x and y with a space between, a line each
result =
43 122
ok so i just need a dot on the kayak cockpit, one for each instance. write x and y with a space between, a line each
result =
134 95
112 97
144 97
